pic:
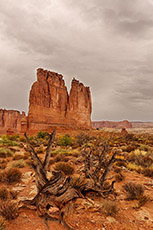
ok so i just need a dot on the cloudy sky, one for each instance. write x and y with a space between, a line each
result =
106 44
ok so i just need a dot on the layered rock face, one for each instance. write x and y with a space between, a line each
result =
50 105
11 121
111 124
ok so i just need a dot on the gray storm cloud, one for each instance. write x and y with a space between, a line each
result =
105 44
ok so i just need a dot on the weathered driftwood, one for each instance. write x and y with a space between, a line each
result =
53 194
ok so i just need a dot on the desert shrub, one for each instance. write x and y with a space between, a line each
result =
40 150
5 152
9 209
4 193
82 139
2 223
13 175
143 200
148 172
65 140
134 167
18 157
22 139
5 141
119 177
66 168
77 181
109 208
18 164
134 191
13 137
61 157
42 134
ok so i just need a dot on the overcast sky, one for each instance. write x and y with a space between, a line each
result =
106 44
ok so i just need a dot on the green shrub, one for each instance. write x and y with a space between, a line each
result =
42 134
22 139
66 168
65 140
13 137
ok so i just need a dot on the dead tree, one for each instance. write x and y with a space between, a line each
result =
53 194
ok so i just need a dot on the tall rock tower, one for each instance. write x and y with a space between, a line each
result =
50 105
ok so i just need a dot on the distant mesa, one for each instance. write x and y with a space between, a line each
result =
111 124
50 106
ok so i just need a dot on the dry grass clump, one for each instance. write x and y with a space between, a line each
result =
134 191
109 208
9 209
148 172
18 164
66 168
4 193
2 223
12 175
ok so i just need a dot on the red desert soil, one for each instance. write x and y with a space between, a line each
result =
84 215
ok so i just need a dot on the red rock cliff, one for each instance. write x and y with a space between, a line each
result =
50 105
11 120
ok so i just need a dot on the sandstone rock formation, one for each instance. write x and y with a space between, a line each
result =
10 120
111 124
50 105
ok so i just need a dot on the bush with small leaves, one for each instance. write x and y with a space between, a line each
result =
66 168
22 139
9 209
65 140
42 134
134 191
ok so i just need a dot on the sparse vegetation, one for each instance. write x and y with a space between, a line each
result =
12 175
4 193
109 208
9 209
134 191
5 152
65 140
18 163
66 168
